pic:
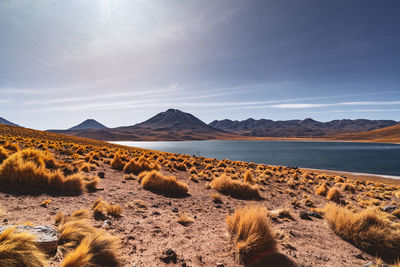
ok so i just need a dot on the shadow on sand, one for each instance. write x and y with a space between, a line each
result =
273 260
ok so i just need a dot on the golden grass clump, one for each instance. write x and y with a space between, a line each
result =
101 207
11 146
370 230
160 184
248 177
333 194
237 189
348 187
396 213
19 249
87 245
3 154
185 220
216 198
250 230
141 165
322 190
28 170
96 249
117 162
91 184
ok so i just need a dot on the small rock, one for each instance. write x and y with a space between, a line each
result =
220 264
304 215
374 264
174 210
5 220
156 213
106 224
102 175
200 258
46 236
315 215
359 256
390 209
169 256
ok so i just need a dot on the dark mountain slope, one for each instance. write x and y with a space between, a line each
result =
6 122
88 124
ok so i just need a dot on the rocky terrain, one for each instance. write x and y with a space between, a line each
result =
299 128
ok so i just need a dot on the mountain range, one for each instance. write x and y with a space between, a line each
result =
170 125
299 128
175 125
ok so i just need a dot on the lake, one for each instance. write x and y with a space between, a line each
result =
371 158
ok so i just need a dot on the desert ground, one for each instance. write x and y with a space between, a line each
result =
212 213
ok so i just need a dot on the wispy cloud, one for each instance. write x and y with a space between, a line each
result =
7 100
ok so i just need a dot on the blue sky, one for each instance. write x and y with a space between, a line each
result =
121 62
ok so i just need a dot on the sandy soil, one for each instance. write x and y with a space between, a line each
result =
146 234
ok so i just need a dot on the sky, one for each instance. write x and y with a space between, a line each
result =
121 62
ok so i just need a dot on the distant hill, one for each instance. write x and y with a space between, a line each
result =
170 125
298 128
389 134
6 122
88 124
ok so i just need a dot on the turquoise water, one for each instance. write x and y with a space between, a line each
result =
341 156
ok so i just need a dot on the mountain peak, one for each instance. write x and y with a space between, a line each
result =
88 124
175 120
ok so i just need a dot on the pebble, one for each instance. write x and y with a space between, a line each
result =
106 224
304 215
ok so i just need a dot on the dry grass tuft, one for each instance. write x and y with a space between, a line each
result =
81 256
334 194
100 208
348 187
141 165
157 183
250 230
117 163
216 198
114 210
92 246
248 177
97 249
322 190
237 189
91 185
396 213
28 170
19 249
370 230
3 154
185 220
